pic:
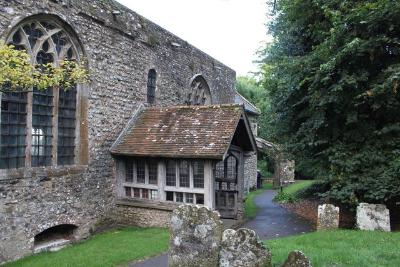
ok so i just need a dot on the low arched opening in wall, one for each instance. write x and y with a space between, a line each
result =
54 238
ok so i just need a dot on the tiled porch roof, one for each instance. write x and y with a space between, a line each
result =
180 131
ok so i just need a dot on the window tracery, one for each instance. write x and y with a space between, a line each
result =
199 93
42 121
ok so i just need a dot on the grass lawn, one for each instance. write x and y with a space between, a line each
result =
250 208
289 192
116 247
341 248
297 186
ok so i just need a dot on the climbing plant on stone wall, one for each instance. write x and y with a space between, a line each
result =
17 72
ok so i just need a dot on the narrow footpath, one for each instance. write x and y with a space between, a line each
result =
271 221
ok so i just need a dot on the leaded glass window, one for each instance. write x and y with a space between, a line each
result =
129 171
171 173
198 174
179 197
151 86
46 41
189 198
184 178
140 171
13 130
219 170
66 126
42 119
152 167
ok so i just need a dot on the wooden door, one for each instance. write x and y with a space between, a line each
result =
226 185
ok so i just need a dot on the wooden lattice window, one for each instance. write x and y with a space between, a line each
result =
40 114
151 86
199 93
219 170
227 169
231 167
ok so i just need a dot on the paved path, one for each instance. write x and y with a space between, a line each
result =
271 221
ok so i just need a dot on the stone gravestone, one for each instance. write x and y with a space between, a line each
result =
373 217
195 239
242 248
297 258
328 217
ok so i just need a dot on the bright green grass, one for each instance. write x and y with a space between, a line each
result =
297 186
289 193
111 248
250 208
341 248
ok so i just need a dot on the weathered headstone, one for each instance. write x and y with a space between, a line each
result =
328 217
297 258
242 248
373 217
195 239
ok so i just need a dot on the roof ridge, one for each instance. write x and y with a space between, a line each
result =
248 102
195 107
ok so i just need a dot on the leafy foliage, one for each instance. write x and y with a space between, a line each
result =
251 89
332 75
16 71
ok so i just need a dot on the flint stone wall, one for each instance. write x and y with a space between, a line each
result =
250 171
125 214
373 217
242 248
120 49
328 217
195 237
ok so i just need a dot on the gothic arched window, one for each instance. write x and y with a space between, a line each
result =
151 86
231 167
227 169
38 126
199 93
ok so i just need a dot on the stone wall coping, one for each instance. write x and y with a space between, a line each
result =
157 205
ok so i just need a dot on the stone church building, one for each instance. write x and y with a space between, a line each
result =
155 127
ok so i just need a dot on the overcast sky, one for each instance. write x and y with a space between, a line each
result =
229 30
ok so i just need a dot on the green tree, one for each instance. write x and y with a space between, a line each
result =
252 90
332 76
